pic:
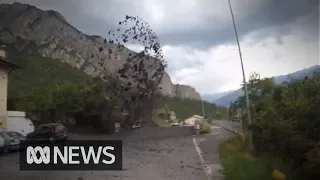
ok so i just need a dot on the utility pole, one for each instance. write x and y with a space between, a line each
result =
244 82
202 108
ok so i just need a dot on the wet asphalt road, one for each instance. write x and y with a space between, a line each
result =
228 124
209 146
150 153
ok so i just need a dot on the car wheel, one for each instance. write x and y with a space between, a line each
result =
51 140
5 149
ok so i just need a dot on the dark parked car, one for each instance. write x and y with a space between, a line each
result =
11 141
49 132
2 144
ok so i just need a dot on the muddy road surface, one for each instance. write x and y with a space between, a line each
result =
149 153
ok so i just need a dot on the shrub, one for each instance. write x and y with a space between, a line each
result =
204 127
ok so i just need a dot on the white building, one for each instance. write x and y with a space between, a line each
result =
191 120
5 68
18 122
172 116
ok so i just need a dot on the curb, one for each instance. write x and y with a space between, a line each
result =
236 132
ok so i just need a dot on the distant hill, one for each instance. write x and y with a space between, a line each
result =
213 97
225 100
297 75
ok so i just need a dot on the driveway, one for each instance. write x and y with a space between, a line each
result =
150 153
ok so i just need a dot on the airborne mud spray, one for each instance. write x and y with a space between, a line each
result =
142 72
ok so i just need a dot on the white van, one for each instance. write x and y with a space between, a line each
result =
17 122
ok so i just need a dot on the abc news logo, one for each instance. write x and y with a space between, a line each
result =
73 155
68 154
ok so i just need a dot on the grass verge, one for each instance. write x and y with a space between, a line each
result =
240 165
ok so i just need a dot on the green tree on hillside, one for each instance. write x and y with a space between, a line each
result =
85 103
185 108
286 121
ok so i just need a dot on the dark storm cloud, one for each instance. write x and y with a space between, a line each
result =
280 13
73 11
83 15
273 13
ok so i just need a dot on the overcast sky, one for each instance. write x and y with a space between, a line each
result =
276 36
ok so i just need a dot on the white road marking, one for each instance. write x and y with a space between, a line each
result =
206 168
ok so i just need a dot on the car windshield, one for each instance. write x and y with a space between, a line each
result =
59 127
43 128
14 134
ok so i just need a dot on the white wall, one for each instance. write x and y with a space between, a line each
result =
190 121
19 123
3 97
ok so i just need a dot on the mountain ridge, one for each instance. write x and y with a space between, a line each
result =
57 38
215 96
232 96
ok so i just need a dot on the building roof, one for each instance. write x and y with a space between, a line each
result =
8 64
197 116
194 117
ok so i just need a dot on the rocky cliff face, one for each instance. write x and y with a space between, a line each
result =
185 91
166 87
181 91
56 38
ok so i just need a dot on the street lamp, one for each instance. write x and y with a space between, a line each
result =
244 81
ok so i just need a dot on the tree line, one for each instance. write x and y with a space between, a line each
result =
185 108
286 121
